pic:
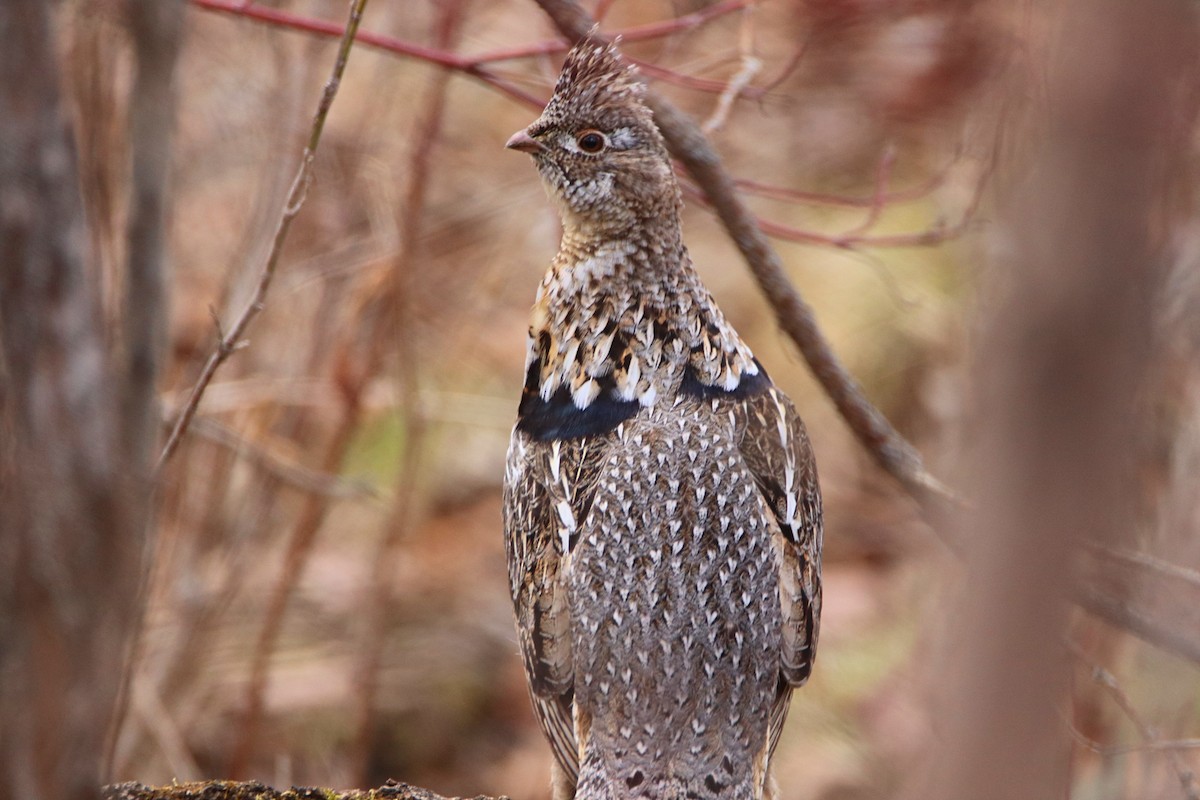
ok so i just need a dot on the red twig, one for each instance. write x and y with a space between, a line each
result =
892 451
857 237
879 198
463 63
638 33
285 19
475 66
787 68
691 81
787 195
378 41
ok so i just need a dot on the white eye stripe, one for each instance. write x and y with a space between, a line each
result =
622 139
568 143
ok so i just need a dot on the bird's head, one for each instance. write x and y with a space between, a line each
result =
597 148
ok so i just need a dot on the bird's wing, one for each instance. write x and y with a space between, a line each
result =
548 491
777 451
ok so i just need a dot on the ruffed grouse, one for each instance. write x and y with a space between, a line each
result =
662 513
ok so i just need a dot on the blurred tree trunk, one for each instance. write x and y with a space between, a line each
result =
76 429
1062 359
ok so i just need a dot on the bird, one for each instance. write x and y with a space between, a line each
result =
662 512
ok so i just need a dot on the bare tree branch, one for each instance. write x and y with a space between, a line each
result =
1151 740
376 600
475 66
1157 601
292 474
156 27
230 340
440 56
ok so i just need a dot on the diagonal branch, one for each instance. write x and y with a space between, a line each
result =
687 143
231 340
293 474
890 450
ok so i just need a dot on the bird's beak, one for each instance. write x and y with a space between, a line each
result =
524 142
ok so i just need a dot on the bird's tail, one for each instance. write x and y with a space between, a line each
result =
643 779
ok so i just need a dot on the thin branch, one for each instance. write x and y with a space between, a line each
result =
231 340
296 555
788 195
149 707
1152 599
788 68
377 599
668 75
1157 629
882 176
156 29
314 508
1117 750
447 59
1149 734
751 66
1164 569
1145 747
389 44
857 237
853 239
288 472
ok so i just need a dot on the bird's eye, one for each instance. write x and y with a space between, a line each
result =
591 141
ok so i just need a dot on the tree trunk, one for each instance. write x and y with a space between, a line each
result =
75 443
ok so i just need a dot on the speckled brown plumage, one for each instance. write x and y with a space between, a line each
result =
662 512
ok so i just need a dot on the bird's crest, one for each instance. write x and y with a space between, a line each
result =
595 77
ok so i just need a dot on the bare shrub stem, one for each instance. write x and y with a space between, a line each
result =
228 341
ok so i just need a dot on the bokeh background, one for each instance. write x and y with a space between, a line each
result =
327 601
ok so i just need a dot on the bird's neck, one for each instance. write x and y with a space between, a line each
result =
629 316
639 257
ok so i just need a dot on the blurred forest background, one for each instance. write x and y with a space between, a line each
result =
323 595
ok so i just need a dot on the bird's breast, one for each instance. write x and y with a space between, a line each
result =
673 588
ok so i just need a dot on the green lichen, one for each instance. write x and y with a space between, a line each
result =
253 790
